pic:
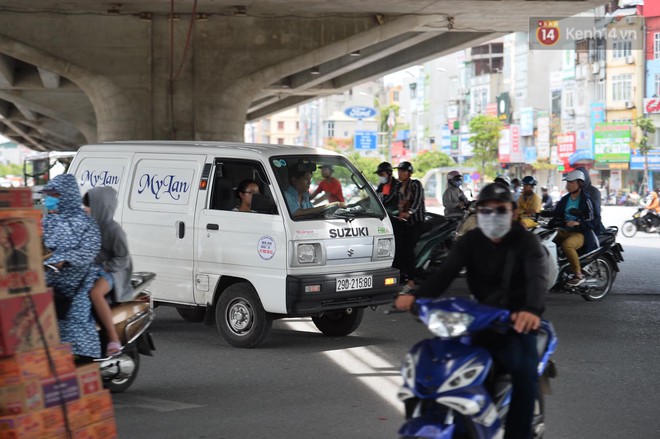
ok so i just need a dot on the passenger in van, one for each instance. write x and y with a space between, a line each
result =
244 193
330 186
297 194
114 265
74 240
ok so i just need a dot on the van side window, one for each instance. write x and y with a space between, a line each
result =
227 178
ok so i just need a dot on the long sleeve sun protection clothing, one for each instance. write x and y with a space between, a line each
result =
589 223
114 256
486 261
74 238
453 199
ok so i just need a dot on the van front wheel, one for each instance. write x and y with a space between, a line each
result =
339 323
241 318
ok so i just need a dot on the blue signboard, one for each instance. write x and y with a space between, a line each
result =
530 154
366 140
637 160
527 121
445 139
360 112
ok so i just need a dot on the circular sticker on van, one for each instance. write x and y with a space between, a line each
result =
266 248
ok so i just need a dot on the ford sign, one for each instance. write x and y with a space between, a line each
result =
360 112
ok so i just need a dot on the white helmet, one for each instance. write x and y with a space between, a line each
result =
574 175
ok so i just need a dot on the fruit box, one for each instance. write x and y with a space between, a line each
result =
34 364
21 253
18 329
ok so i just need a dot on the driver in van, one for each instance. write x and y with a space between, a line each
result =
297 194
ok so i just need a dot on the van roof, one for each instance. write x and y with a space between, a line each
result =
205 147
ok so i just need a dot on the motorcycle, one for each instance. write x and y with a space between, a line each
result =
131 320
434 244
600 266
451 388
638 223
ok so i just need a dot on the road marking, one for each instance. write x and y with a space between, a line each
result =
159 405
372 370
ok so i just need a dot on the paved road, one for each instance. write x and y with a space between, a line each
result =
301 384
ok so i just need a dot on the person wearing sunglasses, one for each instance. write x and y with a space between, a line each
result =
506 268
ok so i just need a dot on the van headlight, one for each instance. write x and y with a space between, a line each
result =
449 324
384 247
308 253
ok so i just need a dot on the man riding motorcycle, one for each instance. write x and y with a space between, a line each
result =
505 268
652 217
453 198
529 203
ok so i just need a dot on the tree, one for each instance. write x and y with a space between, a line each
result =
646 126
485 140
427 160
367 165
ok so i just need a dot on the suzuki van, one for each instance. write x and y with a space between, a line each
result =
284 257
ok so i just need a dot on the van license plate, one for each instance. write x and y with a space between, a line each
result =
354 283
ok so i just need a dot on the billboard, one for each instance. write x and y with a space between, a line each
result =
612 143
565 147
527 121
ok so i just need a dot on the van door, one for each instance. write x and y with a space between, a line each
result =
249 245
159 218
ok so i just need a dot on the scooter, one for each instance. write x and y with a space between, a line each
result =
131 320
600 266
638 223
450 387
434 244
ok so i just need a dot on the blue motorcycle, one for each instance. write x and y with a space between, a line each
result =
450 387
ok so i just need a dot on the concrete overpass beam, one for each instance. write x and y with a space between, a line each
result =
7 65
50 79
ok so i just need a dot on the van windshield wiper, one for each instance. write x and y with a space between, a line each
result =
355 213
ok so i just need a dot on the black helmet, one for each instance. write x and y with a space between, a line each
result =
384 167
503 179
495 192
529 180
406 166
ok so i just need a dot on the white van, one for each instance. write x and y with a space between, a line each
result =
177 204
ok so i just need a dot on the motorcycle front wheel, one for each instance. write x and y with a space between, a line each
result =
601 270
629 229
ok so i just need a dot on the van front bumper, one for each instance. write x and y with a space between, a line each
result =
300 301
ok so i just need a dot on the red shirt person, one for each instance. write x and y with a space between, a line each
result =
330 186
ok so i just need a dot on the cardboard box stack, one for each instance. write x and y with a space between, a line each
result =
42 393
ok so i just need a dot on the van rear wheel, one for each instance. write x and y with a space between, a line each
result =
339 323
240 317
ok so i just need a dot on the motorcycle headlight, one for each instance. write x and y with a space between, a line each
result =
449 324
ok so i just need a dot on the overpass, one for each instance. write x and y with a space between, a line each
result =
84 71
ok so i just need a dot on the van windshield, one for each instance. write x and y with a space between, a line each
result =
316 186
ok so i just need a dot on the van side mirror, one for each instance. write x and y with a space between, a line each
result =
263 203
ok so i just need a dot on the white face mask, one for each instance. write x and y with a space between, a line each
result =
383 179
495 226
